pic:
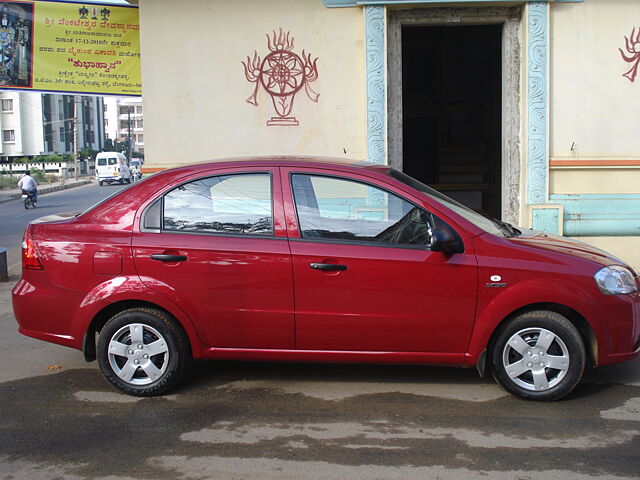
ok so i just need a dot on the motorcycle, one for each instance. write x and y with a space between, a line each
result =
28 199
136 175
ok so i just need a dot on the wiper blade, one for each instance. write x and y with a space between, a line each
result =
507 228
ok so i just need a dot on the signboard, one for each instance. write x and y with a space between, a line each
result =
70 47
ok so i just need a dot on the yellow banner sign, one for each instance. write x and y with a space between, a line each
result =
70 47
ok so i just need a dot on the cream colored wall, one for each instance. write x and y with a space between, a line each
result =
595 180
594 109
194 87
593 105
625 248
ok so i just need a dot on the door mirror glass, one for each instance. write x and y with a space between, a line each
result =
445 240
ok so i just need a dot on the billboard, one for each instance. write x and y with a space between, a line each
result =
70 47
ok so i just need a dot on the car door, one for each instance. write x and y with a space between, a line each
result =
365 278
214 245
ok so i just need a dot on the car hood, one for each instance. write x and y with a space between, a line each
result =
567 246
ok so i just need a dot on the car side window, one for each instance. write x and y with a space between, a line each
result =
236 204
340 209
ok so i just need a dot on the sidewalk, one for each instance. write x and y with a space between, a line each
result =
7 195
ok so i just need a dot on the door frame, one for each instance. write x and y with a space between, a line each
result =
511 19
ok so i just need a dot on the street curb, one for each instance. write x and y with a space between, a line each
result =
42 191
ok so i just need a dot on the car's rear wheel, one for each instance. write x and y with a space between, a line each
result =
538 355
143 352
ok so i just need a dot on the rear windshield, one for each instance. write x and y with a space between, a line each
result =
134 163
104 161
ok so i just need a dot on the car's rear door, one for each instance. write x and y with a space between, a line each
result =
365 278
215 245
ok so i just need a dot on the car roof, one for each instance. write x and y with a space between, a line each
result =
282 161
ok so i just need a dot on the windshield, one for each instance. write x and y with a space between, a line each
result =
134 163
478 220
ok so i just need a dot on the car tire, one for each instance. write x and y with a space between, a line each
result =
527 349
143 352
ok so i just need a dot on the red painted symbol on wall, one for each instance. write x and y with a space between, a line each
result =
282 74
633 49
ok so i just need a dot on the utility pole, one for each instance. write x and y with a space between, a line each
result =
129 127
75 137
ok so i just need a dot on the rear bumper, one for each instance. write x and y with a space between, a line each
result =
32 303
111 179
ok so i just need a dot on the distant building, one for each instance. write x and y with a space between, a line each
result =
123 119
35 124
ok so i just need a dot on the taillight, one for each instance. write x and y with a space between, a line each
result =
30 260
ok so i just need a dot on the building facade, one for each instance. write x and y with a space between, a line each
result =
525 110
34 123
123 119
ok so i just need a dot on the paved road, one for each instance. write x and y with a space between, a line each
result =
14 218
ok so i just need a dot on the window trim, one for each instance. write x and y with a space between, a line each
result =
355 242
161 198
2 106
13 135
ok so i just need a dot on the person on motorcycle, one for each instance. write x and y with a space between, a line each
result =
29 184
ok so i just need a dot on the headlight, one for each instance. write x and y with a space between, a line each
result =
615 280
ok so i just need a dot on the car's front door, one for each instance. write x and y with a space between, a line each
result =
214 246
365 278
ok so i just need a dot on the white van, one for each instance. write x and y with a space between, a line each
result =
112 167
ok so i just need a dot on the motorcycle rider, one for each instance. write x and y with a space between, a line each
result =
29 184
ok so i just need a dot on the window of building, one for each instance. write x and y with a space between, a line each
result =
123 110
140 139
139 123
339 209
106 122
7 105
232 204
139 109
8 135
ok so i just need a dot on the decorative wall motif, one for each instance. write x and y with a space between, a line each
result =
632 47
537 102
376 85
282 73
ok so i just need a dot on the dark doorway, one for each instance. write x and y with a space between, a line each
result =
452 109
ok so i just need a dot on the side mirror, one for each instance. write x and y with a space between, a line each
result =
445 240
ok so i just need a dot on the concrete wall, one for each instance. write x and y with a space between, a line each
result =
195 88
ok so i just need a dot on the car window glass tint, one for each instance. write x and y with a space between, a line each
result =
102 162
239 204
113 161
340 209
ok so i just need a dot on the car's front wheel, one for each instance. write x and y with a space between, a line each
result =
538 355
143 352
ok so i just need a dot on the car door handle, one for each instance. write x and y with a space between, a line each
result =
168 258
328 267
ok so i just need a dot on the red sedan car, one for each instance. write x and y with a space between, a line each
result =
293 259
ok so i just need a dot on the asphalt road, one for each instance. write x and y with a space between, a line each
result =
59 419
14 218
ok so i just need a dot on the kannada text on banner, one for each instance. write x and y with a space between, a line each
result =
70 47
